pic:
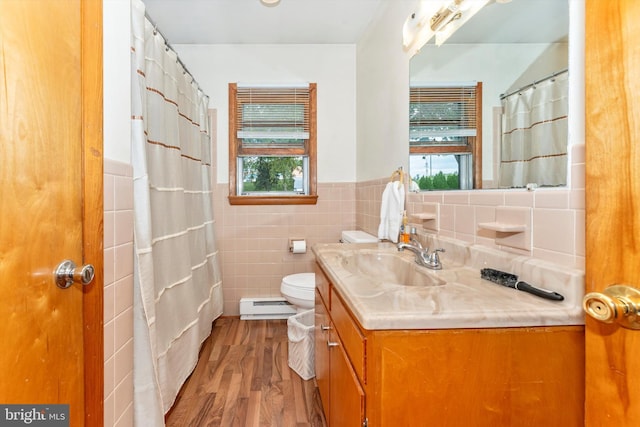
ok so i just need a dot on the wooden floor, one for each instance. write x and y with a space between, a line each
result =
243 379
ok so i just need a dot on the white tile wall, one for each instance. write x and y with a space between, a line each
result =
118 294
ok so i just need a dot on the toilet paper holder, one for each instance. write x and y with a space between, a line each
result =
297 246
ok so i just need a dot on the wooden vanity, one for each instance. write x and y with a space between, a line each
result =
515 376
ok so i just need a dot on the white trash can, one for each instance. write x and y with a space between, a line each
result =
301 343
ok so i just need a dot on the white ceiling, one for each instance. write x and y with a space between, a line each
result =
341 21
249 21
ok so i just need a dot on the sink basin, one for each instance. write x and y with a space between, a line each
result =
388 268
387 290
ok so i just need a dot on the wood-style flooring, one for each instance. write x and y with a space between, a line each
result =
243 379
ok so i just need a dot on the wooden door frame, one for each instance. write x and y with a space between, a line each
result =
92 209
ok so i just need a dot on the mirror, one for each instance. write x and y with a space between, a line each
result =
506 46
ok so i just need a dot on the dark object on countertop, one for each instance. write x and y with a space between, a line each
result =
511 281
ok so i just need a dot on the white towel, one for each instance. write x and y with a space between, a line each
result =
391 210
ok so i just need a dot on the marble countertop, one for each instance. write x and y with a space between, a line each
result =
454 297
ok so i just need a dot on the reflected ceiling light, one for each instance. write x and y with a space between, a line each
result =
416 30
441 21
453 16
445 15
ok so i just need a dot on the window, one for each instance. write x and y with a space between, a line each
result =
445 136
272 144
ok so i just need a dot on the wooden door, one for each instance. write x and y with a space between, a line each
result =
612 203
51 203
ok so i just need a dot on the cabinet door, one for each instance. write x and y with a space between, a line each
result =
347 396
322 326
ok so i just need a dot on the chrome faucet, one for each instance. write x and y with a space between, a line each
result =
423 257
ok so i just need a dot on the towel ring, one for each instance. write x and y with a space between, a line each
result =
399 174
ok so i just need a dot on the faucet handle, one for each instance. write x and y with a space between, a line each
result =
416 243
413 238
435 258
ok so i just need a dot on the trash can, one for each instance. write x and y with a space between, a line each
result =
301 343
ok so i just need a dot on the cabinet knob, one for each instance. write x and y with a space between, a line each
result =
324 327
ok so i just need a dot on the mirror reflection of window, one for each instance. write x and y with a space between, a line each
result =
441 172
444 141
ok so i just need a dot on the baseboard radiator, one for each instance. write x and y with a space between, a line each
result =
265 308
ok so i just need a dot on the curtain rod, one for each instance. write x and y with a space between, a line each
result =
557 73
168 46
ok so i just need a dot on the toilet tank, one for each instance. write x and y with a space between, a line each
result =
357 236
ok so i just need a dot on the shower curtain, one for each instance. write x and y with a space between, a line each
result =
534 135
177 280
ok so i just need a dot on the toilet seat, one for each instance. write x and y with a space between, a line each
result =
299 288
301 280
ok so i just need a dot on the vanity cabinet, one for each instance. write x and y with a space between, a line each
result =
524 376
322 338
340 386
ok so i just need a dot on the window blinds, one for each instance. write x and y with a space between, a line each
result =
437 112
278 114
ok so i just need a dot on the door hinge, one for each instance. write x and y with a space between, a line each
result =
365 423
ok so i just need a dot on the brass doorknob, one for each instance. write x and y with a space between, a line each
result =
617 303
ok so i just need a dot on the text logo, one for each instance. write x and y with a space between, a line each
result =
34 415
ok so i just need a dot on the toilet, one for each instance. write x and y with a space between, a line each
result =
299 288
357 236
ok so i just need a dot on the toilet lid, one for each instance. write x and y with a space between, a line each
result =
301 280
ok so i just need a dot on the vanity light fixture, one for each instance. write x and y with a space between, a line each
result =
270 3
417 31
453 16
440 21
445 15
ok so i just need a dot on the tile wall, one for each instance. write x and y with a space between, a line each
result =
558 220
253 240
118 294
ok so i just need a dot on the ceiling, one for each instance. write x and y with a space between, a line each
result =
249 21
341 21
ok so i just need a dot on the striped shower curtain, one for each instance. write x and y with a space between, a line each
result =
177 279
535 135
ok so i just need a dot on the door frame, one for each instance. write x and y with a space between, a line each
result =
93 209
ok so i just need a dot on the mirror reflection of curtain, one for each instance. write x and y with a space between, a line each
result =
177 278
535 134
